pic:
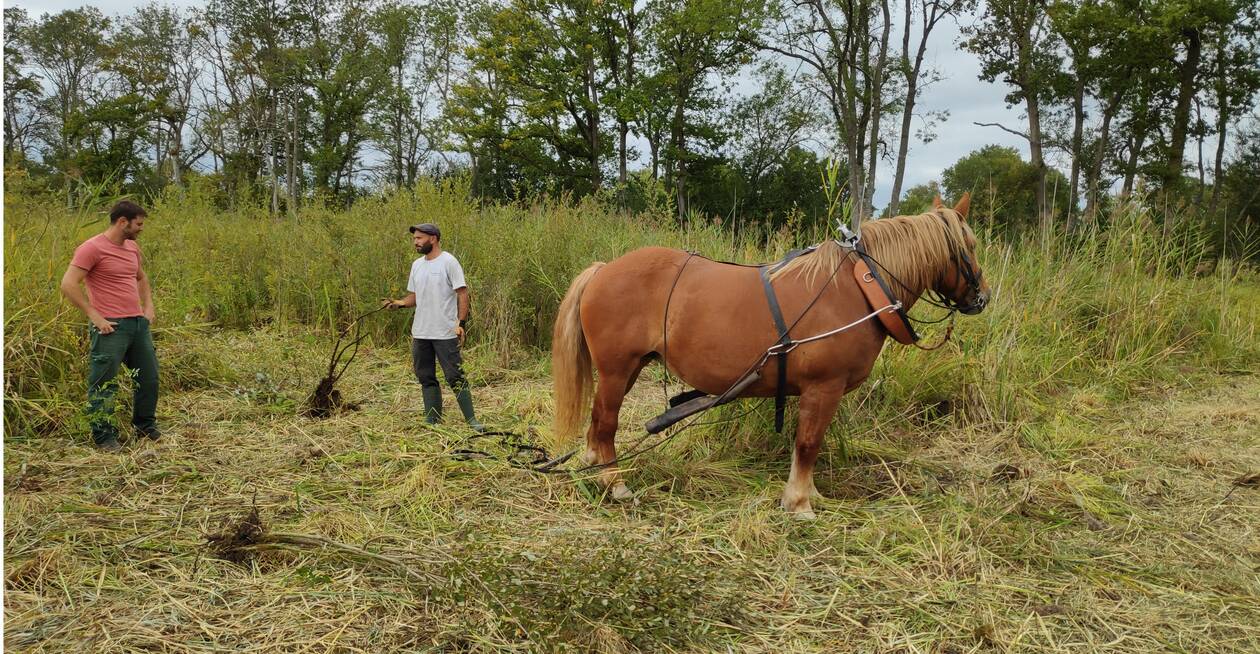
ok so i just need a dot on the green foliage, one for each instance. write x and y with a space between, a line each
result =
1003 186
918 199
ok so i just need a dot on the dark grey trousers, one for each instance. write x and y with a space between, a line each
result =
423 352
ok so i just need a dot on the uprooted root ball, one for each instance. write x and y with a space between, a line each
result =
326 401
235 541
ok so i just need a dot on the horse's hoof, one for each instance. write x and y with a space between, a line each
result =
798 510
621 493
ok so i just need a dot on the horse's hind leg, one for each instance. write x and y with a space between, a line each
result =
610 391
817 407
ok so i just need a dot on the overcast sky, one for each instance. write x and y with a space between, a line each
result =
962 93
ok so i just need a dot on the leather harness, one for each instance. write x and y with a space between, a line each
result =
874 289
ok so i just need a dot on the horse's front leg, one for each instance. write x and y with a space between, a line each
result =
817 407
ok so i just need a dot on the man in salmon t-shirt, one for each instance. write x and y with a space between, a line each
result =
119 303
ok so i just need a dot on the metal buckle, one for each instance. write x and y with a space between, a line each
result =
847 238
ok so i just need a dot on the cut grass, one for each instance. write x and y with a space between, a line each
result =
1116 533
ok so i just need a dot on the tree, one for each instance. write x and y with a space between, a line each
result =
416 43
1234 82
21 88
1237 223
254 96
621 24
930 12
344 70
845 46
917 200
1014 43
1003 187
68 49
768 133
1188 23
155 61
691 44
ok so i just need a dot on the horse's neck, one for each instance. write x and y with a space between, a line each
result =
908 298
906 287
911 278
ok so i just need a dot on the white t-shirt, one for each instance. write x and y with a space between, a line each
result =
437 307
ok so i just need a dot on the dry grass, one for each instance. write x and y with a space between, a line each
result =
1107 525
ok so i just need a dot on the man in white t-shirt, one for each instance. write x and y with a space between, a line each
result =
437 290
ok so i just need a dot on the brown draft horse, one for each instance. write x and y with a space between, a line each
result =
720 323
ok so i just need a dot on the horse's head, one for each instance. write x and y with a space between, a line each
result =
961 283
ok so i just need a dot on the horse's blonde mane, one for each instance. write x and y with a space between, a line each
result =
911 248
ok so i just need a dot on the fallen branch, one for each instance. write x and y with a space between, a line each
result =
304 540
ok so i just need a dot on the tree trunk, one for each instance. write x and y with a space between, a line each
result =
1078 126
1181 115
679 160
275 186
1198 198
622 129
654 146
876 102
1095 166
912 91
1130 167
399 117
1221 124
1038 161
292 162
592 123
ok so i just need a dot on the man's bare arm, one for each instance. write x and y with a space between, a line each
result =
72 288
409 301
146 295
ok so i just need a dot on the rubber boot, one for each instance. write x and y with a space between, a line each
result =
432 404
464 398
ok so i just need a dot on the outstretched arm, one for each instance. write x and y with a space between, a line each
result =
409 301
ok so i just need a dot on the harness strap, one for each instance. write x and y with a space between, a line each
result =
792 254
780 394
873 287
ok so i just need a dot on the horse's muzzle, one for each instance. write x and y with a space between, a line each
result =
982 300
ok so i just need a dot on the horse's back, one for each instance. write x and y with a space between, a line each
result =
623 305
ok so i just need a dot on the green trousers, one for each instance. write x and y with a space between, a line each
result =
130 343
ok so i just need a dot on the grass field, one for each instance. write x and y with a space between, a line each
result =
1076 472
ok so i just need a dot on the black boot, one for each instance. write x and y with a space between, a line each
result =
464 398
432 404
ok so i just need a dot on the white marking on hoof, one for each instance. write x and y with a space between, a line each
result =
620 492
588 457
798 507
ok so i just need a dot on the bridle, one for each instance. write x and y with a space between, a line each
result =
963 265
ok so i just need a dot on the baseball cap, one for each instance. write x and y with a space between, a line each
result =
427 228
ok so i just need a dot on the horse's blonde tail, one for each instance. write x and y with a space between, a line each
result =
571 360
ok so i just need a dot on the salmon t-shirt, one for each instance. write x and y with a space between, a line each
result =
111 275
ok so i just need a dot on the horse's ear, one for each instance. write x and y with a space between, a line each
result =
963 206
936 201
